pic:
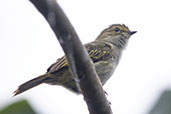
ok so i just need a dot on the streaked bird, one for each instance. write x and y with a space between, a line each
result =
105 52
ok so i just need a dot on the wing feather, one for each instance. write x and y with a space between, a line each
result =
96 51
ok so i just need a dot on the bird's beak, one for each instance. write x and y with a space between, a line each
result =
132 32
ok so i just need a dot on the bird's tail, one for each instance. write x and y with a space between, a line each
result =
30 84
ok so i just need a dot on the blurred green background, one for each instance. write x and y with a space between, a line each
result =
19 107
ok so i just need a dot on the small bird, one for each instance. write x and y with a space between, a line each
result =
105 52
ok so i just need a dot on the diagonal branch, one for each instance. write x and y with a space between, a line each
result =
79 62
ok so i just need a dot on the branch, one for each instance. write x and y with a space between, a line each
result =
80 64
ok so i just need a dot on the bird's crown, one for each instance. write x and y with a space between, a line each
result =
118 28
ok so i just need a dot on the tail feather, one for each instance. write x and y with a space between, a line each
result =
30 84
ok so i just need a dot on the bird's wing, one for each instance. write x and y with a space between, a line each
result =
99 51
59 64
96 51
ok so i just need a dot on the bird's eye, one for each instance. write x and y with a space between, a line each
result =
116 29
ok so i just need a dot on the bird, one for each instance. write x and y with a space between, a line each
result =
105 52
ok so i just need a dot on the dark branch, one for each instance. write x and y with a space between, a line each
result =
80 64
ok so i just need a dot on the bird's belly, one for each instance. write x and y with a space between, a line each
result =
105 70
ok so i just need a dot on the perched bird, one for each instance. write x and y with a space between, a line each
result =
105 52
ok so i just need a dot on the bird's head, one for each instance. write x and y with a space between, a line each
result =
114 31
